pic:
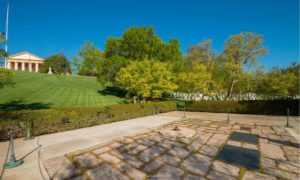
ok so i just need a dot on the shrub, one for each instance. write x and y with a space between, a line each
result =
57 120
268 107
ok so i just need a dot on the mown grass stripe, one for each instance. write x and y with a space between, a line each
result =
57 90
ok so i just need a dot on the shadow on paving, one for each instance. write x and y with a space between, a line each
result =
282 142
20 105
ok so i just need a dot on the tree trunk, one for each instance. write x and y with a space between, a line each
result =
229 94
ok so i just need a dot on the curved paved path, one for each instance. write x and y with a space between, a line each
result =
58 144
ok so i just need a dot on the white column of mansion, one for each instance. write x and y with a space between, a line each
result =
24 61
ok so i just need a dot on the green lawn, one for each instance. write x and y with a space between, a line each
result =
55 91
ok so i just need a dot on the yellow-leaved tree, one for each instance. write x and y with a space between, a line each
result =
195 80
148 79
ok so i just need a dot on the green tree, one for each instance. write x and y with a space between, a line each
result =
195 80
280 82
241 53
201 52
294 72
147 79
87 60
2 51
138 43
108 69
58 63
6 76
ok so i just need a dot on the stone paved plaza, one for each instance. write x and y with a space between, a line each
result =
217 150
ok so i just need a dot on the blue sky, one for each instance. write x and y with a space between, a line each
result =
45 27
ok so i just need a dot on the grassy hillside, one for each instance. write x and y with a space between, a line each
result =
37 90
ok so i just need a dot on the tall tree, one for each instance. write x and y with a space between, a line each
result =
240 53
58 63
201 52
108 69
87 60
280 82
146 79
138 43
197 79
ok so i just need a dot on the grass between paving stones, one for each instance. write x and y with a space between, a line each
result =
242 173
260 170
76 164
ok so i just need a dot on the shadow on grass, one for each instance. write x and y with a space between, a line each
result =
20 105
112 90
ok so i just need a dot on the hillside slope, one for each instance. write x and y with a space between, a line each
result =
54 91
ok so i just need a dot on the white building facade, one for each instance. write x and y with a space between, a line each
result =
24 61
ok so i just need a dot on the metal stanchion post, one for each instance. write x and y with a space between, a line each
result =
288 118
12 161
228 117
28 133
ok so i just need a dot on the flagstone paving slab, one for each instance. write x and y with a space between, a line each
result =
197 163
250 175
193 177
87 160
226 168
151 155
170 159
272 151
168 172
152 166
106 172
60 168
217 175
132 172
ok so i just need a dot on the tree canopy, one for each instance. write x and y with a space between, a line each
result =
146 79
141 63
196 79
6 76
87 60
241 52
108 69
283 82
138 43
58 63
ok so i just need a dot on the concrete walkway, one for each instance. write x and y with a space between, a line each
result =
58 144
53 145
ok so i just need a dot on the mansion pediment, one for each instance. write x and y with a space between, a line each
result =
24 61
24 56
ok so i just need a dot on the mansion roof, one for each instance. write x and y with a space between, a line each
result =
24 56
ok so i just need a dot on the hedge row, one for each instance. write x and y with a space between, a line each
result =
268 107
57 120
